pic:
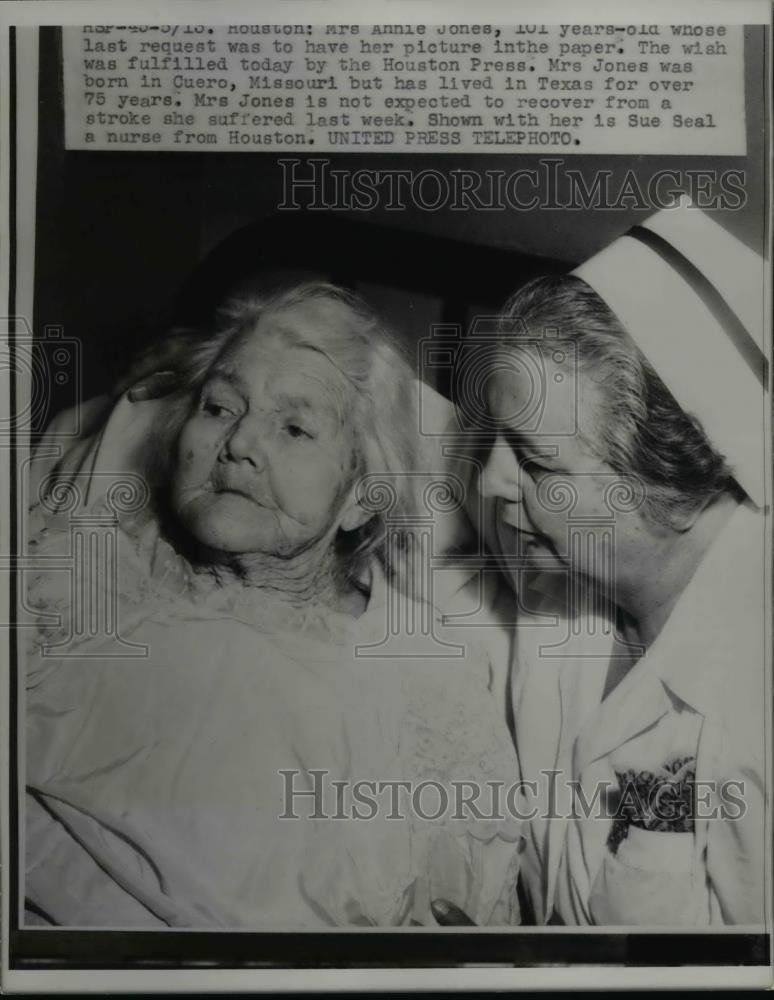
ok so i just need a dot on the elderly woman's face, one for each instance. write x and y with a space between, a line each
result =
265 463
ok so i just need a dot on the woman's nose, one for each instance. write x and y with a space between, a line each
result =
245 443
500 476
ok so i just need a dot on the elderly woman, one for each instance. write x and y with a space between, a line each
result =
214 760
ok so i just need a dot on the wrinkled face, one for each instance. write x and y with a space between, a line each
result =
557 504
265 462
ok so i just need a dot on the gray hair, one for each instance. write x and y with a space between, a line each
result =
642 431
382 410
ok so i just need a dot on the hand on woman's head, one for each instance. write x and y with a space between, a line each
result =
160 369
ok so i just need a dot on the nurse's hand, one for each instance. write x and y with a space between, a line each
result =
449 915
154 386
158 370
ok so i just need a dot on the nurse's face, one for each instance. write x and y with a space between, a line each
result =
266 461
552 492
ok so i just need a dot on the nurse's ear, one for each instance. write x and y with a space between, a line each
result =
354 516
683 520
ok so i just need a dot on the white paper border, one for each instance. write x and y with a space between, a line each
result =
76 12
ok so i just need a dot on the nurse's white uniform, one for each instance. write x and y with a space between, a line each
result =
696 312
699 690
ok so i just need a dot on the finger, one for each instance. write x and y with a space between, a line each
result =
449 915
153 386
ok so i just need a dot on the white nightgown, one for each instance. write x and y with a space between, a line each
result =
155 783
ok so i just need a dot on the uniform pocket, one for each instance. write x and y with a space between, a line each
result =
649 881
656 851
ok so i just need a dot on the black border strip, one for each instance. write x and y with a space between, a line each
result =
13 651
55 949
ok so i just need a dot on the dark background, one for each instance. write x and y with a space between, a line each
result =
119 234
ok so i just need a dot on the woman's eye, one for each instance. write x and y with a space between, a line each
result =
296 431
214 409
534 469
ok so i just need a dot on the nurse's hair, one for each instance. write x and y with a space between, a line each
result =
642 431
381 409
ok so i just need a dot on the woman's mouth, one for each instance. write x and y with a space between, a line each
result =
238 490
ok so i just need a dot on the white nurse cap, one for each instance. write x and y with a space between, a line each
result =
691 296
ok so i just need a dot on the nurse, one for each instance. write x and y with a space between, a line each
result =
628 402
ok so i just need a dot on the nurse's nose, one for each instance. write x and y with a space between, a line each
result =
246 443
501 476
